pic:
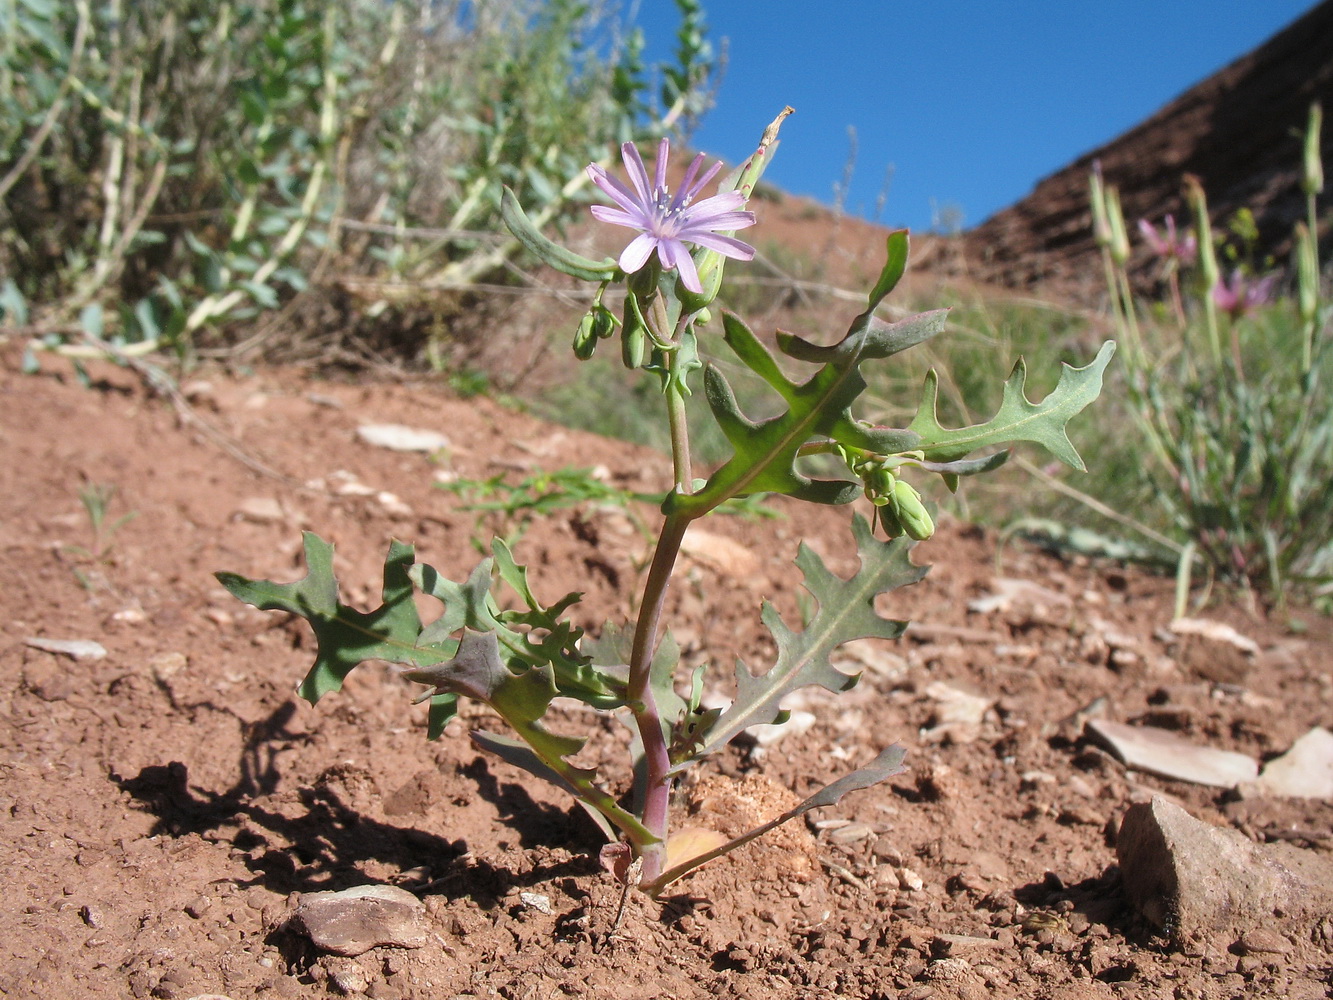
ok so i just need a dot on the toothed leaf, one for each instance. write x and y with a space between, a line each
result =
1017 419
846 612
765 450
346 637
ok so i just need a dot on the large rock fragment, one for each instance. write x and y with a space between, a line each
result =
353 921
1193 879
1305 771
1160 751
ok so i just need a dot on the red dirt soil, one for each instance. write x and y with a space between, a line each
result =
163 804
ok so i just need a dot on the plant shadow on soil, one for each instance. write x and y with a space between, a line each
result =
325 848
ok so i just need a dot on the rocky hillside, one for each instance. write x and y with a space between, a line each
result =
1239 131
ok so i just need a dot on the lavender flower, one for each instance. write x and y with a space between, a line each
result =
667 223
1171 246
1239 296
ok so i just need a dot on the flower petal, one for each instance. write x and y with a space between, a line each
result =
729 201
634 256
674 255
617 191
727 246
720 223
638 174
605 213
659 173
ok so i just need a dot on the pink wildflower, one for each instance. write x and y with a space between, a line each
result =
1239 295
667 223
1171 246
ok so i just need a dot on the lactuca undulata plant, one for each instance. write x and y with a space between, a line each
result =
517 661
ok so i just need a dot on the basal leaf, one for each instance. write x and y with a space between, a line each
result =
1017 419
346 637
544 640
522 699
846 612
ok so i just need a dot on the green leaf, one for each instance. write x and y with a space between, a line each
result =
766 450
558 257
471 605
346 637
846 612
888 763
894 267
1017 419
522 699
477 672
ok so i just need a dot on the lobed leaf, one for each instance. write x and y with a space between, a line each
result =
846 612
766 450
347 637
1017 419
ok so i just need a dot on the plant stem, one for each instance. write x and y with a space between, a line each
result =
656 779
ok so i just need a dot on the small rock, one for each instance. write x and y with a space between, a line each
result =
1009 592
1214 651
392 504
345 484
78 649
166 666
1262 941
728 557
355 920
910 880
1161 752
198 907
769 733
536 901
1200 879
260 510
1216 632
396 437
852 833
956 705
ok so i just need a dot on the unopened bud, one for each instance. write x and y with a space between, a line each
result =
710 266
1313 179
911 512
585 337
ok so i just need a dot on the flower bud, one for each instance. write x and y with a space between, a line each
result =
710 266
585 337
1313 179
911 512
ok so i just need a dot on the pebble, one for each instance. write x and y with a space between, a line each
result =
355 920
396 437
260 510
78 649
909 880
1305 771
1202 879
1262 941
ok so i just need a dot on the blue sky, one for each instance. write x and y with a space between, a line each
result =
970 101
